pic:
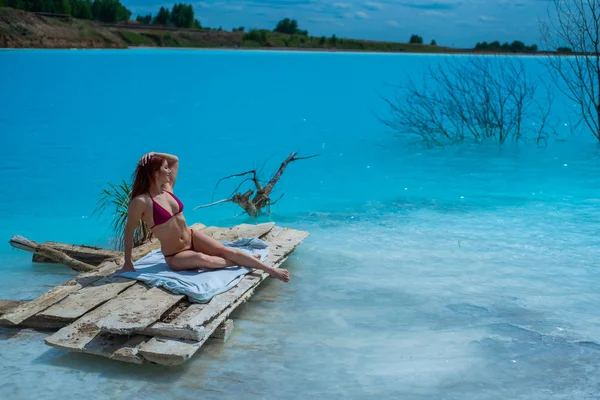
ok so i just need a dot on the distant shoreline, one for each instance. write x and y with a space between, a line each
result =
26 30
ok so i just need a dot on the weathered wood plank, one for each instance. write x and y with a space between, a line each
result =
7 305
57 293
135 313
87 254
87 298
77 335
135 308
116 347
177 351
223 331
166 351
23 243
239 231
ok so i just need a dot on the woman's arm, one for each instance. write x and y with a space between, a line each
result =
172 160
134 214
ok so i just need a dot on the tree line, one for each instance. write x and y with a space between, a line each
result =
101 10
181 16
515 47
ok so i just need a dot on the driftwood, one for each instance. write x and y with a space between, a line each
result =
23 243
253 206
6 305
87 254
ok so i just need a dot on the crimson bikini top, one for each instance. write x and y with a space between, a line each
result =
160 215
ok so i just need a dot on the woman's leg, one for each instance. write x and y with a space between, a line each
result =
211 247
190 259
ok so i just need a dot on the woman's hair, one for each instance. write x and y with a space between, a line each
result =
144 174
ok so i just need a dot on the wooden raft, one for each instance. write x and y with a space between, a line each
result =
125 320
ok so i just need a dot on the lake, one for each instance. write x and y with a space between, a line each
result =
462 272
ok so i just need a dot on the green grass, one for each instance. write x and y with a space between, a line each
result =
134 38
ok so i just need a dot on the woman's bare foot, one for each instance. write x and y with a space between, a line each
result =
281 274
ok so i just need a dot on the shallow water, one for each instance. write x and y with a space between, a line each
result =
460 273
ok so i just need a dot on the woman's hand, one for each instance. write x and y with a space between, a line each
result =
127 267
146 157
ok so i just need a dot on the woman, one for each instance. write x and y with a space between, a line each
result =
153 201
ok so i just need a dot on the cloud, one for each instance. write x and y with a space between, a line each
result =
392 23
433 5
234 8
485 18
342 5
371 5
361 15
435 13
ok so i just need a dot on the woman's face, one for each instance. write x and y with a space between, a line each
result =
163 175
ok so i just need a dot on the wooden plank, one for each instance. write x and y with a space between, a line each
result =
137 307
116 347
223 331
57 293
167 351
7 305
87 298
77 335
240 231
87 254
136 313
177 351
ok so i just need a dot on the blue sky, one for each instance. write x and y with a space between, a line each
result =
460 23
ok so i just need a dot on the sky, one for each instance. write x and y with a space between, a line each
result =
457 23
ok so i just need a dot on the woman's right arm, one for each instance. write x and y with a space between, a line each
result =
134 214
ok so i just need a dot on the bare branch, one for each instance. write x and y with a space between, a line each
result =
472 99
576 25
254 206
214 203
252 171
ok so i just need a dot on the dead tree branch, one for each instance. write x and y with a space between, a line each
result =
573 31
469 99
23 243
253 205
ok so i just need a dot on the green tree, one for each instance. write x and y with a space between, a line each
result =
289 26
433 43
81 9
163 17
146 19
333 40
256 35
109 11
416 39
182 15
286 26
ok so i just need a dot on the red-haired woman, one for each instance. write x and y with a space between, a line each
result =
153 201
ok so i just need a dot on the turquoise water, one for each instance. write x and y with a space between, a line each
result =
467 272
